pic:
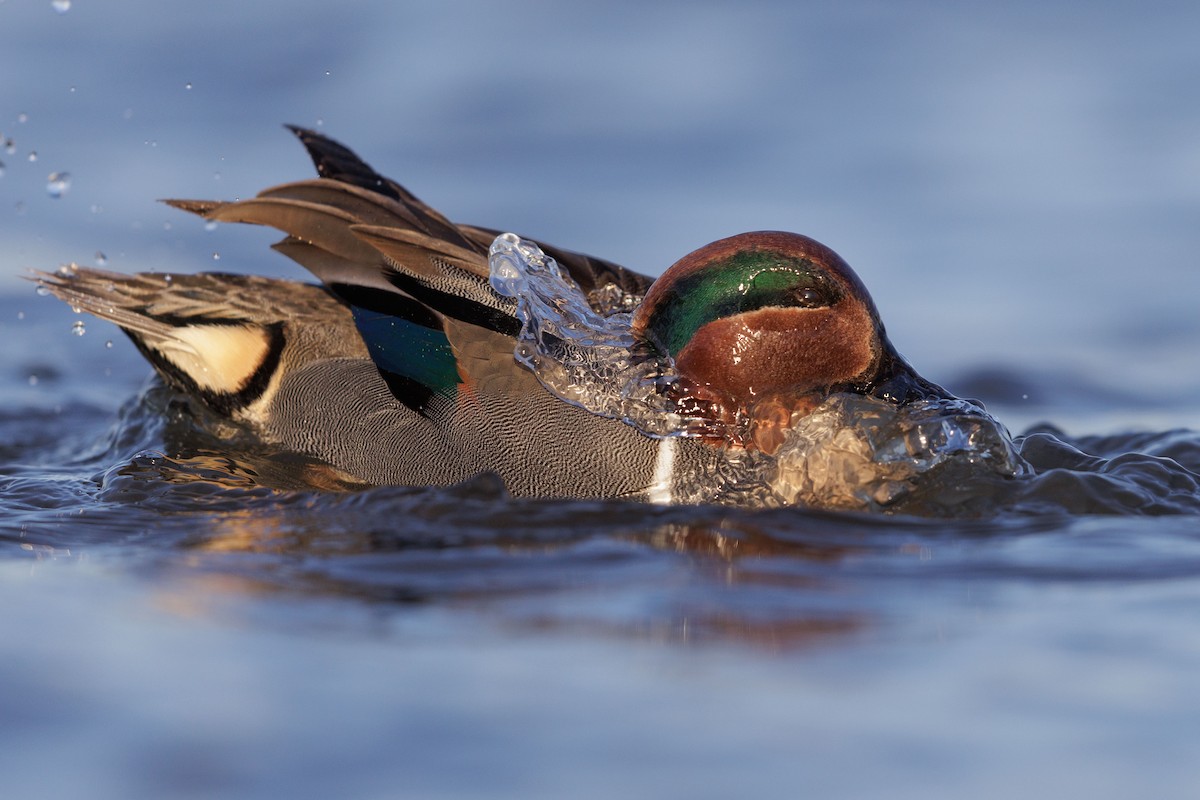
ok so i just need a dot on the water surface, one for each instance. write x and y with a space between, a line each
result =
1017 187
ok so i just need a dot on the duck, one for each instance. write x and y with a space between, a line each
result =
397 367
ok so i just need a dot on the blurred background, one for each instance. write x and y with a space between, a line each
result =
1018 184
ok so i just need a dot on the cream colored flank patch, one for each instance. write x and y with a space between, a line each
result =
219 358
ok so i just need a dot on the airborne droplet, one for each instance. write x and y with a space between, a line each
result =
78 328
61 6
58 183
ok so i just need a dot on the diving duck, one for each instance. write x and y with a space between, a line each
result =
400 366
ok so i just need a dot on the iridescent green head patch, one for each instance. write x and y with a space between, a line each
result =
746 281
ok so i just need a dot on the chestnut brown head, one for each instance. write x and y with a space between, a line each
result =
769 314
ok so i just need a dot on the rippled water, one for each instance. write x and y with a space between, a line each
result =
245 622
1016 185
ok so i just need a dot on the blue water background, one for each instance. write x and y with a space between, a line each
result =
1019 186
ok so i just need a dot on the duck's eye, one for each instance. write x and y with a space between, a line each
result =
808 297
789 287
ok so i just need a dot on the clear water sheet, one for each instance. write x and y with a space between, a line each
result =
585 357
851 452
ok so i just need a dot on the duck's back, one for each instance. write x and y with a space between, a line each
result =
312 388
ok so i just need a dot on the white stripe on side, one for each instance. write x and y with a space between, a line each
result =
664 471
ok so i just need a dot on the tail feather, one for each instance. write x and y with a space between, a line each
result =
219 337
334 271
337 162
415 282
327 227
370 208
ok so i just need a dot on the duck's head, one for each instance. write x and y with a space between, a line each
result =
773 316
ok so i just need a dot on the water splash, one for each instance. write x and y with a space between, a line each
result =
587 358
852 451
859 452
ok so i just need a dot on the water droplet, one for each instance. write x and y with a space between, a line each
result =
71 90
188 86
32 155
10 146
96 209
1 169
320 122
216 256
61 6
42 289
33 380
168 278
101 259
108 344
166 226
78 328
326 73
210 225
20 315
58 183
22 118
216 176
